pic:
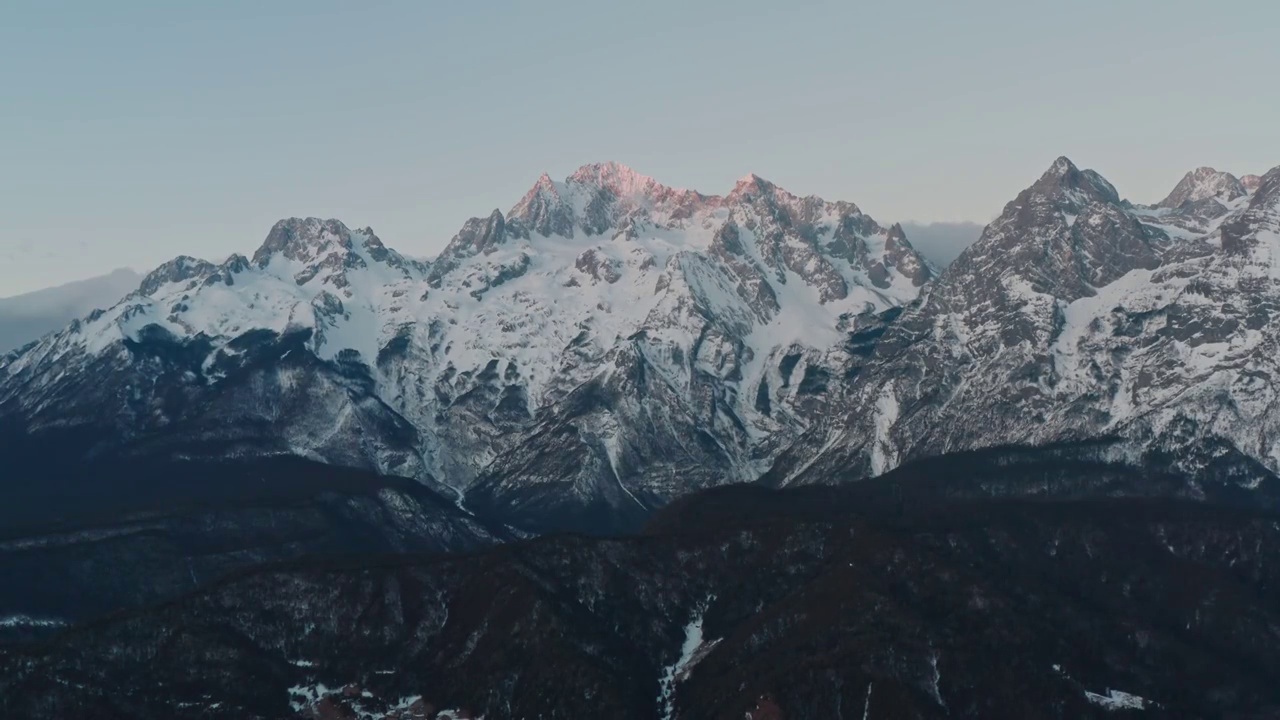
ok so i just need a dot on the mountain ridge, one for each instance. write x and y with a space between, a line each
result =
612 343
1051 312
672 310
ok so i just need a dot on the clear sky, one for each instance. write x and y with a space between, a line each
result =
134 131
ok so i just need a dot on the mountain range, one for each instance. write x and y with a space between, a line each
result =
610 344
831 476
1076 316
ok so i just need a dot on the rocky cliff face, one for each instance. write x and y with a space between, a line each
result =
1203 184
608 344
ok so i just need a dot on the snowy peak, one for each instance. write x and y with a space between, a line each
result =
647 314
1060 168
1063 181
1076 316
596 199
610 198
1250 182
177 270
1256 230
543 209
758 230
1267 187
312 248
900 255
616 178
751 187
1061 194
303 239
478 236
1064 236
1202 184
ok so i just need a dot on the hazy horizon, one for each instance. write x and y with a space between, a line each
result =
139 131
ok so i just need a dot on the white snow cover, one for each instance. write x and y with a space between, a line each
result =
1117 700
1182 340
1197 286
10 621
1204 183
883 455
695 648
582 271
618 254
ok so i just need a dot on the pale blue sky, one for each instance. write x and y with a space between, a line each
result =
134 131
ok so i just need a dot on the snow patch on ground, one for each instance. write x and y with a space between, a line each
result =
303 696
1117 700
26 621
695 648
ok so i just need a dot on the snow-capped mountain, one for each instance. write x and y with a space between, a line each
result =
608 343
1201 184
611 343
1079 316
1197 204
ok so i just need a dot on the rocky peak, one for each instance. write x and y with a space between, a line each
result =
1062 167
1202 184
1259 224
1065 184
178 269
478 236
236 263
380 253
753 187
899 254
612 195
618 179
1065 235
1250 182
543 192
543 209
303 240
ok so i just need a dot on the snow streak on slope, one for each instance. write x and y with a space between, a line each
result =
695 648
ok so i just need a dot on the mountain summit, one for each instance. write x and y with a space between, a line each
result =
1202 184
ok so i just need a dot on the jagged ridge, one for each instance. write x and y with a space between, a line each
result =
666 339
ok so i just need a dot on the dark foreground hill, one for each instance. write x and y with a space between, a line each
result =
78 541
898 598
